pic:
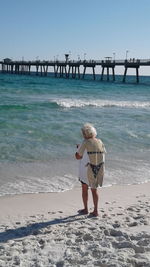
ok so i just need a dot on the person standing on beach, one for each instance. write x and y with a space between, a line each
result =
94 168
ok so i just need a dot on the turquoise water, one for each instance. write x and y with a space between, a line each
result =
40 121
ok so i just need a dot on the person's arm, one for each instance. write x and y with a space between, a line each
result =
77 156
79 153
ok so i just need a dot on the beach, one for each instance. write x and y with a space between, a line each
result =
64 64
47 230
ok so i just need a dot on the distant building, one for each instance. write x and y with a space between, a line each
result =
7 60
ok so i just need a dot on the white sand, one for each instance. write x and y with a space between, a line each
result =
46 230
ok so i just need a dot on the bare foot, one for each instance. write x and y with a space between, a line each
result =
83 211
94 213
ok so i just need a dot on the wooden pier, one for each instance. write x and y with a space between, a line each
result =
71 68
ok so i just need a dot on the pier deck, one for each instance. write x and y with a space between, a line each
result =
71 68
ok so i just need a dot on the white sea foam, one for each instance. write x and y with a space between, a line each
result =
75 103
31 184
116 174
132 134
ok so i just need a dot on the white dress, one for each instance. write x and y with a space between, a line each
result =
83 168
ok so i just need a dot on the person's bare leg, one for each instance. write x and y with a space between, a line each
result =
95 201
85 198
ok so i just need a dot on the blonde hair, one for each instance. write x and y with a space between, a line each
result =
88 130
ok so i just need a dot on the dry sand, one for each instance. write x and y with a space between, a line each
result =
46 230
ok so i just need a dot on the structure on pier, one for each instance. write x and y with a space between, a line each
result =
71 68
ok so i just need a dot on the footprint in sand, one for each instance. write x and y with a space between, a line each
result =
132 224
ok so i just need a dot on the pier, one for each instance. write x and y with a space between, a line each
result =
72 69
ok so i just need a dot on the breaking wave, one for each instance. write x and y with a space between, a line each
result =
76 103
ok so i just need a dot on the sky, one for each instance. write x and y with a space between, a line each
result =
90 29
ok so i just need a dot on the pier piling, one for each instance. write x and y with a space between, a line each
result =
71 68
108 64
134 65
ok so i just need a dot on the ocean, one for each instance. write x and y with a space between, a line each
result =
40 125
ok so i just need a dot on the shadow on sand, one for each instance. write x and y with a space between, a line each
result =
34 228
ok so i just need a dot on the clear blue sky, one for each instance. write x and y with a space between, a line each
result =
99 28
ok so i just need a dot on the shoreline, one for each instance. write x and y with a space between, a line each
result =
46 230
75 186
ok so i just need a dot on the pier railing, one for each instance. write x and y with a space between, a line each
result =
81 62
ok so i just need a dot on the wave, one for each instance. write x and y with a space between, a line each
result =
77 103
34 185
132 134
